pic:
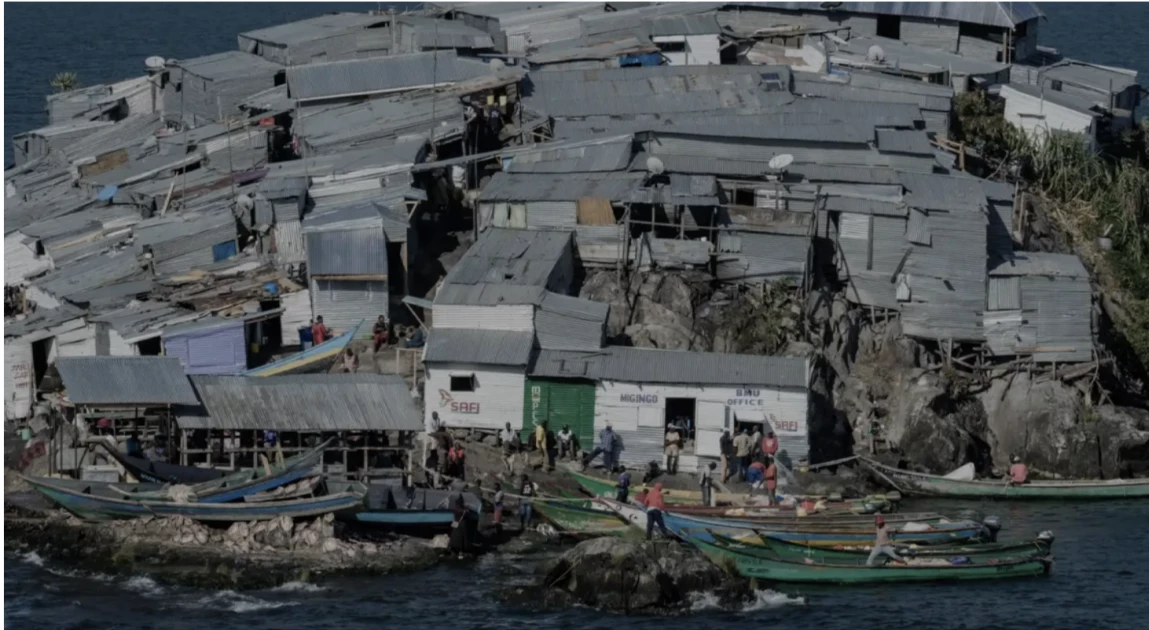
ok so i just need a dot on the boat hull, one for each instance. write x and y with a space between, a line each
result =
936 486
761 566
607 489
92 506
580 518
942 533
160 472
985 551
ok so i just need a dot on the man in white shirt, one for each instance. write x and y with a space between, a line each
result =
566 447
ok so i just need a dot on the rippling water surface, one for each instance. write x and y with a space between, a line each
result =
1099 580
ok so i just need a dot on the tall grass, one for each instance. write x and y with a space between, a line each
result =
1089 195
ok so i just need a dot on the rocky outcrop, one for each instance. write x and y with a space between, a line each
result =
1045 422
624 576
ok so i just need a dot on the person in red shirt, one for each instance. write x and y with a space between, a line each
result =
319 332
654 508
771 480
1018 472
770 444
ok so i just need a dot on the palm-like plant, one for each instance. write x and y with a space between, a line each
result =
66 81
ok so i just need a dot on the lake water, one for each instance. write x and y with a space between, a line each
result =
1099 580
1102 570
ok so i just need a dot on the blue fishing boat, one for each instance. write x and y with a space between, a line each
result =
161 472
100 501
923 534
247 482
393 506
316 359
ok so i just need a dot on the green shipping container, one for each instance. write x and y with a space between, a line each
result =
559 403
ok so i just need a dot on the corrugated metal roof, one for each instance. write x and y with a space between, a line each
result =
319 27
764 258
125 381
142 318
90 273
506 258
560 187
671 25
347 253
381 74
428 33
305 402
904 141
942 192
479 347
642 19
42 319
643 365
607 154
1041 264
563 322
902 57
229 65
378 123
1093 76
1003 14
563 52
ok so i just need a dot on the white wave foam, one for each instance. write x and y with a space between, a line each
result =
299 587
143 584
81 575
708 600
236 602
33 558
772 599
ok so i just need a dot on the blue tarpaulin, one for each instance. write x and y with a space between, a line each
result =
648 59
223 251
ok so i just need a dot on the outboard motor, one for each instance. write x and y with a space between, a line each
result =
1045 539
991 525
895 499
869 507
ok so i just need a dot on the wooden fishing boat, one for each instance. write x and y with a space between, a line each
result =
830 536
100 501
608 489
316 359
579 518
754 562
1041 546
250 481
161 472
391 506
790 517
938 486
637 515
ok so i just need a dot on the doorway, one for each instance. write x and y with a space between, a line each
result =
149 347
889 26
41 350
681 412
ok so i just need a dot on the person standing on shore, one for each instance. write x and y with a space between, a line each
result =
623 488
526 492
319 331
756 442
654 508
566 445
726 447
770 445
541 442
380 334
551 443
742 452
771 481
497 520
706 480
606 445
882 544
1018 472
673 444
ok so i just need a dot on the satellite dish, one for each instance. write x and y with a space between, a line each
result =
655 166
779 162
497 65
245 202
154 62
875 54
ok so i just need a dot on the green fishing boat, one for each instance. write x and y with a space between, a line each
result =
579 518
1041 546
608 489
755 562
937 486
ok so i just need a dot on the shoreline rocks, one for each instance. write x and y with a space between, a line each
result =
184 552
619 575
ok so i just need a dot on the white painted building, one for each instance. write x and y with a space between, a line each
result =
475 378
689 50
1040 112
640 391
